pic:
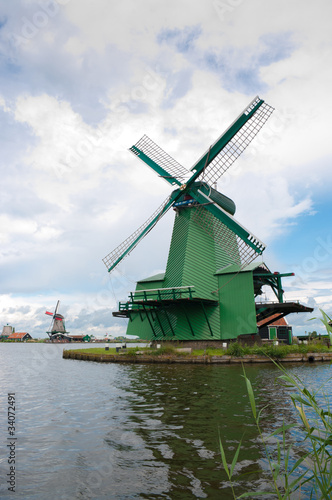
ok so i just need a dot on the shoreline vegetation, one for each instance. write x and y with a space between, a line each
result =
235 353
302 473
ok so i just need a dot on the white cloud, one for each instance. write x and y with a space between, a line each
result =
87 86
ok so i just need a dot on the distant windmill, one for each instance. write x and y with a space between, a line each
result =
57 327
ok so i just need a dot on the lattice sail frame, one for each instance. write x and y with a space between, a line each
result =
236 146
175 173
238 251
132 241
163 159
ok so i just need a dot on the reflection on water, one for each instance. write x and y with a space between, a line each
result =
89 430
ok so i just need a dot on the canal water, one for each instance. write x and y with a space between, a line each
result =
88 430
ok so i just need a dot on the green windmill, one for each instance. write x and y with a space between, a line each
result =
208 289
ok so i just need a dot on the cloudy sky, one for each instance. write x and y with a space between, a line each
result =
83 80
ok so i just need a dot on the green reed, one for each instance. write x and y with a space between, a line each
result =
314 468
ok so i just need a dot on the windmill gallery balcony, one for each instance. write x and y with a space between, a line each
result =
152 304
156 297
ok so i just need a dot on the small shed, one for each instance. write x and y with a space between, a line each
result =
77 338
278 329
19 336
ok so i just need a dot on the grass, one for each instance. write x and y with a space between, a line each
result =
270 350
210 351
235 349
94 350
276 351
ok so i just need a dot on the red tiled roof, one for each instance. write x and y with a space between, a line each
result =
276 322
17 335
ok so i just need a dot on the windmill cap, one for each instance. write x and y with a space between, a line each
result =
220 199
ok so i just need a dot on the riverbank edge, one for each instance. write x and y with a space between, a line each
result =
204 359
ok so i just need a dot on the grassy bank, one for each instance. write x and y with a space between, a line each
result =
235 350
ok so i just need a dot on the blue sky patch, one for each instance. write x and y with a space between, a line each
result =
234 74
239 68
276 47
3 22
15 139
178 84
183 40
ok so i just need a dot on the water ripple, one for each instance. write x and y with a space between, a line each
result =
101 431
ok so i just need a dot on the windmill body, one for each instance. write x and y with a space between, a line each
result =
190 306
57 328
59 325
209 286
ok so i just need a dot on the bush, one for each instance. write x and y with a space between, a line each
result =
166 349
238 350
276 351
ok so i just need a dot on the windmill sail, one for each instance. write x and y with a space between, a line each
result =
232 143
114 258
220 156
160 161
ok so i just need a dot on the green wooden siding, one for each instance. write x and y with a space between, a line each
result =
198 263
139 326
237 305
194 256
195 259
192 261
172 322
149 285
177 253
